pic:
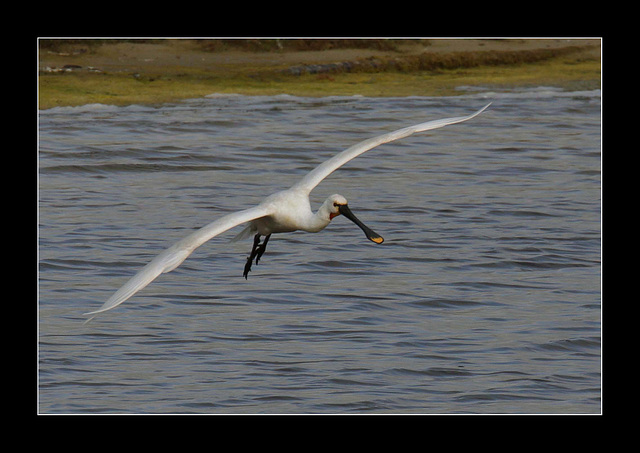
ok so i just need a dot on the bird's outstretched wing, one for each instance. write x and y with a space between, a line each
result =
315 176
177 253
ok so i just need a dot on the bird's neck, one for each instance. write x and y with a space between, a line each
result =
318 221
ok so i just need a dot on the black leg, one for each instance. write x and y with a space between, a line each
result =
247 267
261 248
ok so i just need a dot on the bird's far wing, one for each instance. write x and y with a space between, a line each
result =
177 253
315 176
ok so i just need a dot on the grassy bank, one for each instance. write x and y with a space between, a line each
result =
148 71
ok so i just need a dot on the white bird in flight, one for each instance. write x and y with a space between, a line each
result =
282 212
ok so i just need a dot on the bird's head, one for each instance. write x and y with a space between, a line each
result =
337 204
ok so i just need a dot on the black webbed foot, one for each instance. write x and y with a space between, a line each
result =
261 248
247 266
256 252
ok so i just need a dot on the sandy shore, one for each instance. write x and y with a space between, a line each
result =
144 71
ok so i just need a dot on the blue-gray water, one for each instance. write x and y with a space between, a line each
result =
484 298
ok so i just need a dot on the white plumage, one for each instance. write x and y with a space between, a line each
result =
285 211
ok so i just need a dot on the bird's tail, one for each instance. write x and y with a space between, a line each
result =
245 233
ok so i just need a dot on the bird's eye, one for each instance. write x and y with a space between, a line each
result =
335 205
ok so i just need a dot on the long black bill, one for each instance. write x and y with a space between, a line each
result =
371 235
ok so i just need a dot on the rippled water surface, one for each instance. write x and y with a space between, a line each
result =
484 298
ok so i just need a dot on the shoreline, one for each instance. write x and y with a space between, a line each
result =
124 72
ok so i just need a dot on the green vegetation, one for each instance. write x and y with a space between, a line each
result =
155 71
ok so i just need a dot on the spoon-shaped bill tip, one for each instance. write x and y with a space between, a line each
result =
371 235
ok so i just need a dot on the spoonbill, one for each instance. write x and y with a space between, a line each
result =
282 212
